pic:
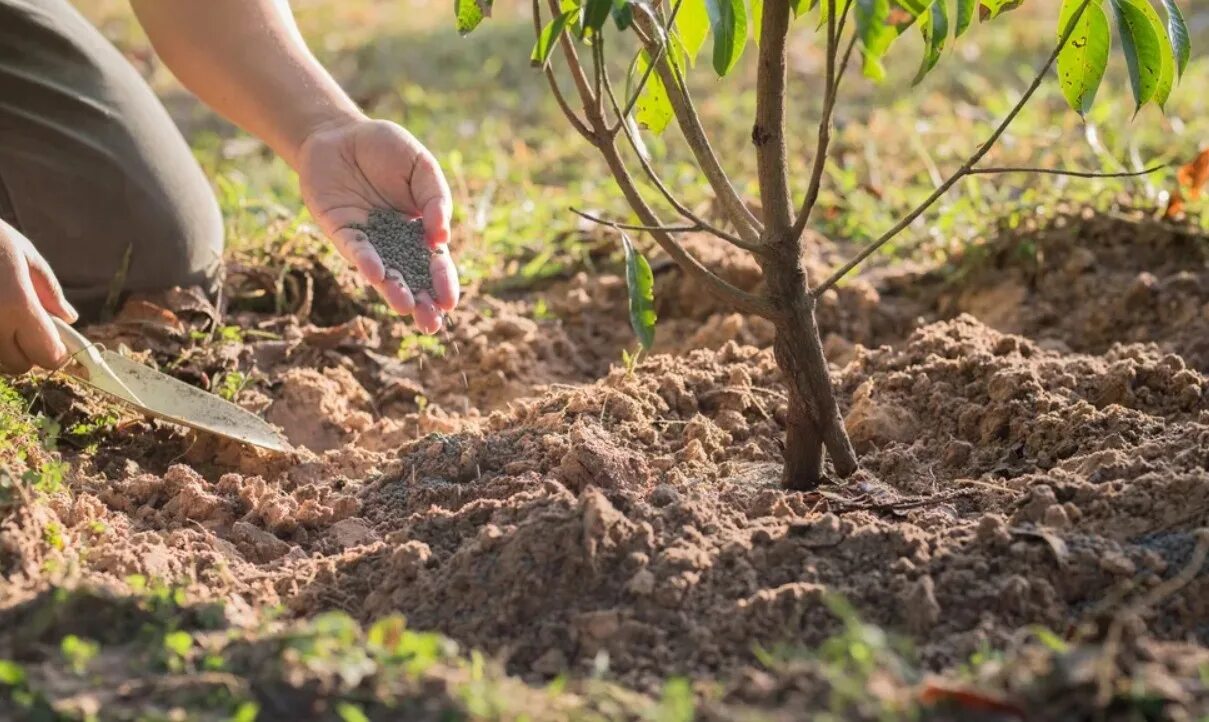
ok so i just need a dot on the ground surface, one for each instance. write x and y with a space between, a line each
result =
567 538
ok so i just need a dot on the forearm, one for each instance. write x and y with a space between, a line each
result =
247 60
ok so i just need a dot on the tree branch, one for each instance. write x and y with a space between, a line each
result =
586 97
736 211
574 119
966 168
745 302
654 178
634 226
1064 172
646 74
824 134
768 131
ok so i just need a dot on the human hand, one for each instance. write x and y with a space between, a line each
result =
346 170
29 294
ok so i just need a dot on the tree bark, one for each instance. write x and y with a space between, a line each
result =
814 421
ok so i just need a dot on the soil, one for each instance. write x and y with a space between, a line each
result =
1032 425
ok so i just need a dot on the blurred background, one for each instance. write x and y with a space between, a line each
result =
515 166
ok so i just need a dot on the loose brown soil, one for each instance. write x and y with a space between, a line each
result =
1033 430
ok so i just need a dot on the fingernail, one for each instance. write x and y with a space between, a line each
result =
72 314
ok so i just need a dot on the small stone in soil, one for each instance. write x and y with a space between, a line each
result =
400 242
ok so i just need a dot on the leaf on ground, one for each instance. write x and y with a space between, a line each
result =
938 692
1193 176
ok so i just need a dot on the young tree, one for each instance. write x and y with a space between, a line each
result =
672 32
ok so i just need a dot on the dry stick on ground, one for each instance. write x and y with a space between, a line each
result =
966 168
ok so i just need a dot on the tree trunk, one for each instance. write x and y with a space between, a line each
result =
814 421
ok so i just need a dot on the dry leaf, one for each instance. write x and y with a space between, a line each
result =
936 692
1195 175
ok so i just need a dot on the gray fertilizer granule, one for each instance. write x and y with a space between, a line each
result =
400 242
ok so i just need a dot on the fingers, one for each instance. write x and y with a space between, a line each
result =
397 294
49 292
355 247
445 284
39 342
12 360
428 318
436 212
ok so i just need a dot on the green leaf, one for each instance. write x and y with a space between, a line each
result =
596 13
875 34
935 30
757 19
468 14
728 20
1177 33
1082 61
991 9
641 283
1141 46
692 27
623 14
801 7
549 38
965 15
653 111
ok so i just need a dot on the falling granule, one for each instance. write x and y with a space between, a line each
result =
400 242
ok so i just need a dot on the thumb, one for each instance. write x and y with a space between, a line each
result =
50 293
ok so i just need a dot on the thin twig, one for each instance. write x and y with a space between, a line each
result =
654 178
646 74
824 133
744 301
572 117
966 167
745 222
1064 172
633 226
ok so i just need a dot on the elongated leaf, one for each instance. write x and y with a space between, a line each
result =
728 20
549 37
467 14
1141 47
692 27
801 7
1082 61
596 13
641 284
1177 32
1166 78
757 19
965 15
935 29
875 34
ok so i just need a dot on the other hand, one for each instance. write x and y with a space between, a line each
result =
349 168
29 295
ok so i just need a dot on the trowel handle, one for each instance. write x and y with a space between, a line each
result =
78 347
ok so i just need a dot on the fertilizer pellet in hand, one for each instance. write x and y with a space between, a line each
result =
400 242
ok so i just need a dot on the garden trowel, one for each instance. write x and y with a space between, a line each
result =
159 395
